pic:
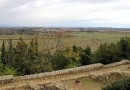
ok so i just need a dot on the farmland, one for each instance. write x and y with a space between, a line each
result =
81 39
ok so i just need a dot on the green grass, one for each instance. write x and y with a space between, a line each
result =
85 84
94 39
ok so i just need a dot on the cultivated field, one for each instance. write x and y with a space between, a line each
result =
82 39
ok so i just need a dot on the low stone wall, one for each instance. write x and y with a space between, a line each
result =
61 72
117 63
109 77
87 68
32 86
6 79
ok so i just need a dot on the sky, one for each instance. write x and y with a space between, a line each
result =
65 13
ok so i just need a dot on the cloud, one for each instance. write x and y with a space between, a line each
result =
92 1
8 4
64 12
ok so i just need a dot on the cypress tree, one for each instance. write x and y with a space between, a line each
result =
10 53
36 45
3 54
31 50
21 60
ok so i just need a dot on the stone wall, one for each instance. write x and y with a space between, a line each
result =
6 79
109 77
61 72
117 63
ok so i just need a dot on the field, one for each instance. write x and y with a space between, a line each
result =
82 39
94 39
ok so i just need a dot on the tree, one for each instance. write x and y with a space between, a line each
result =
21 58
86 56
3 54
31 50
74 48
36 46
10 53
87 50
73 53
106 53
124 48
59 61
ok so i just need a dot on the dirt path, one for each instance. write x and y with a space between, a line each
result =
61 77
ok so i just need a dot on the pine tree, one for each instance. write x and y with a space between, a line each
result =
3 54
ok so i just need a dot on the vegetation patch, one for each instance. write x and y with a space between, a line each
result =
119 85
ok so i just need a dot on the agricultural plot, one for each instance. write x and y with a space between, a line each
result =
81 39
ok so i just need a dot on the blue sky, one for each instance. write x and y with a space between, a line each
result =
65 13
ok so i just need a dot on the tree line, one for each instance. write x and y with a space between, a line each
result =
22 58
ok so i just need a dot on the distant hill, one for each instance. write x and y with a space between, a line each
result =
36 30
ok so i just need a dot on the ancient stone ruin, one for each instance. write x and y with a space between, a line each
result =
56 85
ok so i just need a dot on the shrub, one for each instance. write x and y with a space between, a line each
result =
106 53
119 85
59 61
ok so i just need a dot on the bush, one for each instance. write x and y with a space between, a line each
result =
59 61
106 53
9 71
119 85
124 48
86 56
